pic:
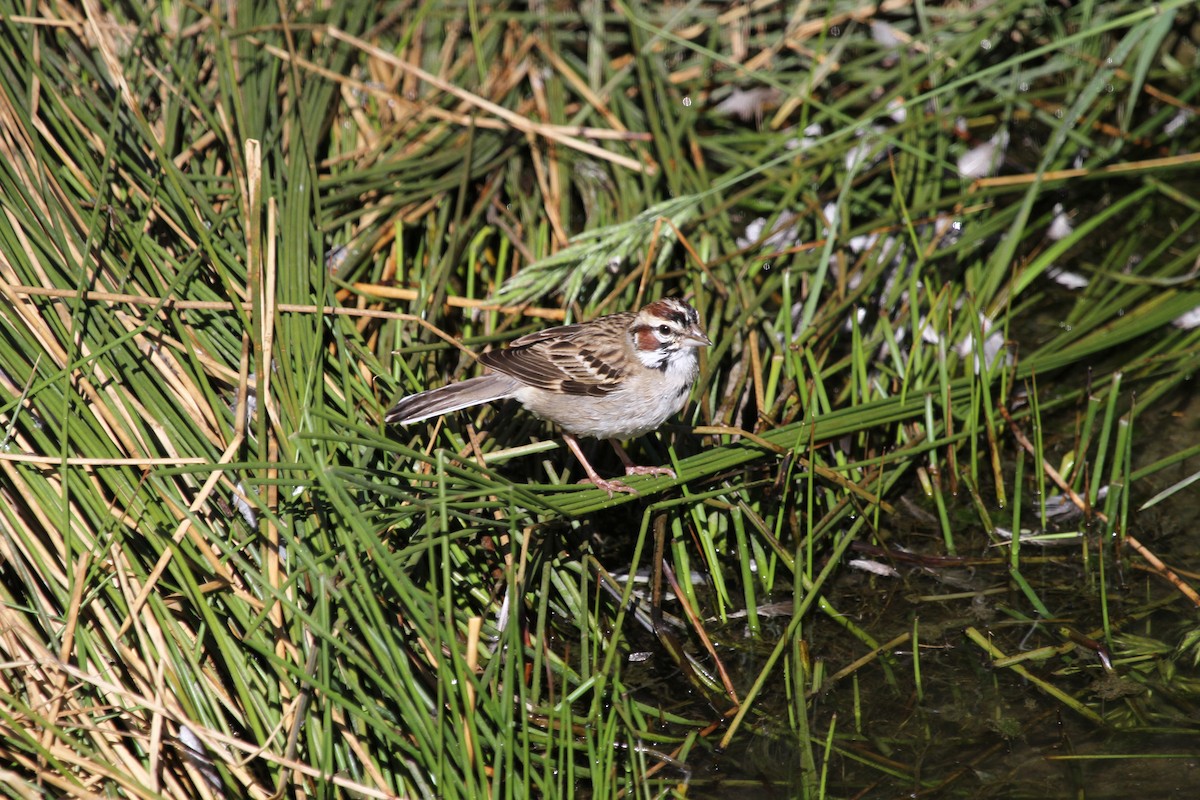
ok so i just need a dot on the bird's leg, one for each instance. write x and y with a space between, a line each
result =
592 477
632 468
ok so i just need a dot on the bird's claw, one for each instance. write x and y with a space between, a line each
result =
635 470
609 486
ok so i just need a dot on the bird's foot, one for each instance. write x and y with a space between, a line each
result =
633 469
609 486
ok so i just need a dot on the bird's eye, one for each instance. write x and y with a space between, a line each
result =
665 330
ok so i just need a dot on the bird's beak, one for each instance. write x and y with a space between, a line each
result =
694 337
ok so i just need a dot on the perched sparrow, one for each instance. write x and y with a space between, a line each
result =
616 377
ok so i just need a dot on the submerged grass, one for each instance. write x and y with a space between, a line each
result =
945 254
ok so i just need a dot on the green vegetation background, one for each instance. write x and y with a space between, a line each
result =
232 234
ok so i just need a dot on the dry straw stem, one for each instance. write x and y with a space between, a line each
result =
171 303
1142 167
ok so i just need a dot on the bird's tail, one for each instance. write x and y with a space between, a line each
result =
451 397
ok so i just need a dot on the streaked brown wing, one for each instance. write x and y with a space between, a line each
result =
556 359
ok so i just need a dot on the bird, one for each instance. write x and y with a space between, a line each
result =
614 377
